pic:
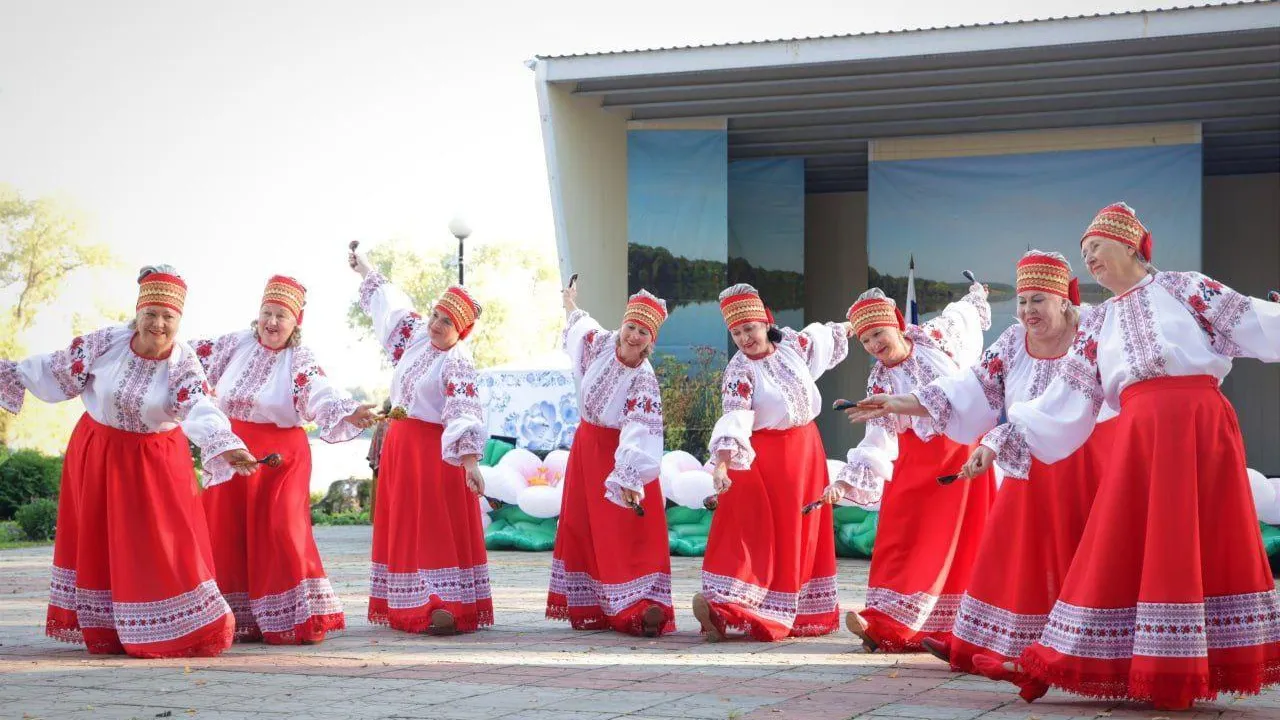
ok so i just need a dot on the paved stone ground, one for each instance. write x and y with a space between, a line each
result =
524 668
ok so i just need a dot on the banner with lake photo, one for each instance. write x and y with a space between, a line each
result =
982 214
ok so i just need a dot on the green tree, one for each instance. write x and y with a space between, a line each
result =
517 284
42 244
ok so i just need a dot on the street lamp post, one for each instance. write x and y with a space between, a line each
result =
461 230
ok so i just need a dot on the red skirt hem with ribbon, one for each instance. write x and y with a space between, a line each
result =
268 567
609 565
132 564
1170 598
926 543
768 570
1026 550
428 540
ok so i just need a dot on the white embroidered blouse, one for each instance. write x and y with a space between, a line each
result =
612 395
284 387
430 384
968 404
126 391
1170 324
776 392
935 346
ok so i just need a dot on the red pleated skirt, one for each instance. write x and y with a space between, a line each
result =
609 565
1169 598
132 566
926 543
428 541
768 570
1027 547
268 567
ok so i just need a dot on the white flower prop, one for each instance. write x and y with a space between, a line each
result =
534 485
674 463
502 483
691 487
485 509
1266 496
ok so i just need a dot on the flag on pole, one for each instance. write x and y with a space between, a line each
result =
913 309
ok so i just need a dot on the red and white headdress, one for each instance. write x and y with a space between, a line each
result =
287 293
162 289
462 310
1120 223
646 310
1047 272
874 310
740 304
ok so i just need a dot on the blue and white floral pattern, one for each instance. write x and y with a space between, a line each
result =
537 407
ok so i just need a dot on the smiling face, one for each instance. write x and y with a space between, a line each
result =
633 343
157 327
886 344
275 326
751 338
443 333
1112 263
1042 314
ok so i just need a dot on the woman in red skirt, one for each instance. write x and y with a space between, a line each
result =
269 384
430 571
132 566
929 533
612 567
768 570
1034 526
1169 598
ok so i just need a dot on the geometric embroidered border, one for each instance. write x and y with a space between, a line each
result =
582 590
138 623
282 612
919 611
1184 630
819 596
996 629
239 603
404 591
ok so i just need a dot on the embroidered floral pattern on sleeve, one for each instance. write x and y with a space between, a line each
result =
935 401
1012 452
1079 369
642 408
462 400
862 487
12 391
71 367
215 355
187 385
368 287
991 369
332 411
736 391
1217 308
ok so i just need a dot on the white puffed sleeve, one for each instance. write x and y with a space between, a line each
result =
1237 325
201 419
1059 421
958 328
822 345
732 432
968 403
463 416
57 376
639 453
870 464
395 324
318 400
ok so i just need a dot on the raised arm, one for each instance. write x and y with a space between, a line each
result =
958 329
56 376
1237 325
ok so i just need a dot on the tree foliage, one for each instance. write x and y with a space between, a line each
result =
517 285
42 243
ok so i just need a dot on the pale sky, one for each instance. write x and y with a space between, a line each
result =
239 139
